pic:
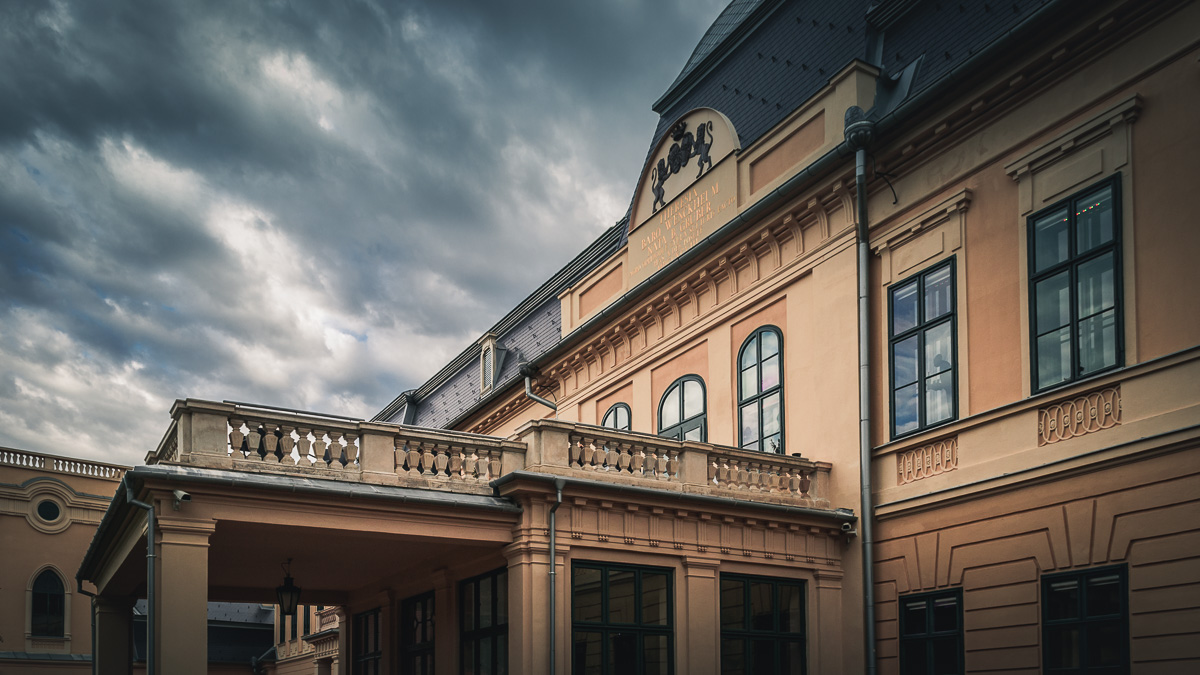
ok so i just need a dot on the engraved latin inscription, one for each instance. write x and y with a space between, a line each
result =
679 225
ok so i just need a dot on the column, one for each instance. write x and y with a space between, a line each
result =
114 635
828 640
698 630
528 610
181 597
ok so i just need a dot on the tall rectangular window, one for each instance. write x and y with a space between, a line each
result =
923 350
483 622
762 626
1085 622
365 650
622 623
931 633
1075 286
416 635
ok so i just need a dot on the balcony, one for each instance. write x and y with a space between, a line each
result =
243 438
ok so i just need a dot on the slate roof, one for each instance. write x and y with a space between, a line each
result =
527 332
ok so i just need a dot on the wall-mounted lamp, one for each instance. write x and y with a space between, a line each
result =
289 593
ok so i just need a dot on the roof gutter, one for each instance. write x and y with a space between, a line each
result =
841 515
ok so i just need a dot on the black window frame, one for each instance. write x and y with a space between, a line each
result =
757 398
366 649
413 652
683 426
918 330
48 606
611 629
1071 264
472 639
927 638
1083 622
613 410
748 634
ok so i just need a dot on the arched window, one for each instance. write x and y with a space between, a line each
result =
760 391
617 417
47 616
681 414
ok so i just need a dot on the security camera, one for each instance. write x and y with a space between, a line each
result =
180 496
848 529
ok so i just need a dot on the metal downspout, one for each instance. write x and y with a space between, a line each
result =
860 132
150 613
528 371
558 488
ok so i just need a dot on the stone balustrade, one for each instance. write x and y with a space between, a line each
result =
605 454
245 438
51 463
232 436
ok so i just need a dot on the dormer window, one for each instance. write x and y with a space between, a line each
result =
491 359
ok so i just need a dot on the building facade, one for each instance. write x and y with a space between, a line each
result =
892 365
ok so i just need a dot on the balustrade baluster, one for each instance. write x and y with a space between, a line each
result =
427 456
440 462
805 483
351 448
335 450
494 463
660 466
456 463
713 470
612 456
754 476
286 444
321 450
471 465
574 452
738 473
673 465
589 454
637 465
625 461
414 458
254 441
236 438
270 443
399 455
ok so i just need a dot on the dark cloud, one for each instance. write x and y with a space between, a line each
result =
296 203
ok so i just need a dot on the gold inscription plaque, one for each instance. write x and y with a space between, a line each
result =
681 224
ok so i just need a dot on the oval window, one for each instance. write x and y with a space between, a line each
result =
48 511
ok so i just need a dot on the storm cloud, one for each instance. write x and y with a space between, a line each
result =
304 204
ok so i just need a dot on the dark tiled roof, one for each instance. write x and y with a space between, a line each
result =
528 331
777 67
947 33
727 22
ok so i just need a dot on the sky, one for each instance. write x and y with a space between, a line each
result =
312 205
